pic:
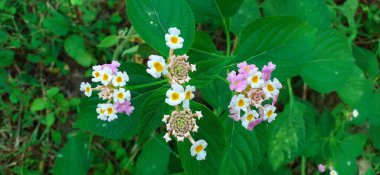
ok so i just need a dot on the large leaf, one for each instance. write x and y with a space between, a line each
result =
287 134
211 130
218 9
75 157
366 60
354 88
152 19
248 12
242 154
203 48
207 71
331 62
284 40
217 94
314 12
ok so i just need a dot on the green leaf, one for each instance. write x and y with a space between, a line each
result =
284 40
38 104
52 92
353 89
248 12
108 41
331 64
217 94
203 49
314 12
154 157
242 153
152 19
287 134
368 106
374 130
75 48
207 71
366 60
75 157
153 110
210 130
6 58
49 120
76 2
34 58
214 8
57 24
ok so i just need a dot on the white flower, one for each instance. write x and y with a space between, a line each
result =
165 119
110 111
86 88
277 83
198 148
239 102
167 137
106 76
157 66
96 73
175 95
199 114
121 95
270 89
269 113
120 79
101 110
333 172
255 79
193 67
249 117
173 41
355 113
188 96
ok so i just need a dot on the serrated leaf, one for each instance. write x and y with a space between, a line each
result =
108 41
152 19
211 130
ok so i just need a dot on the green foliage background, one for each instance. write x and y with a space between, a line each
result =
327 57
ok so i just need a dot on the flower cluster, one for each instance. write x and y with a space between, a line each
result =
322 169
254 89
182 120
111 89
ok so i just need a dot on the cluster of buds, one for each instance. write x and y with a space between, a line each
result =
182 120
111 89
322 169
253 92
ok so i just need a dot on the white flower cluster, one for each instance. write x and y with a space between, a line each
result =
182 121
111 89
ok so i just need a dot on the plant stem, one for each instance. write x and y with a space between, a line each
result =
291 95
121 46
146 85
303 165
228 39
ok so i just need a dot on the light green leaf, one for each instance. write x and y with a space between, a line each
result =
152 19
214 8
38 104
75 157
75 48
331 64
248 12
353 89
314 12
210 130
52 92
6 58
108 41
57 24
366 60
49 119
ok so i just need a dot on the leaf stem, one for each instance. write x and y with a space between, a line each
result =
146 85
291 95
303 165
228 38
121 46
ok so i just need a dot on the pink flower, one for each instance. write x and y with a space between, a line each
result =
267 70
254 123
321 168
113 66
125 107
238 82
245 68
235 115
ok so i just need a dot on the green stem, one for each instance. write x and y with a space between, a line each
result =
291 95
303 166
227 32
121 46
146 85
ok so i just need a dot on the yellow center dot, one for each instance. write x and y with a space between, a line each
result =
249 117
270 113
174 39
88 89
270 88
110 110
158 66
120 95
97 74
241 103
188 95
105 77
119 79
174 96
102 111
255 79
199 148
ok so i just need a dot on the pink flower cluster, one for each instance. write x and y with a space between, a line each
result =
254 90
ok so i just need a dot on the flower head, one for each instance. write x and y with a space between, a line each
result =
106 76
254 79
173 40
248 117
270 89
175 95
101 110
188 96
179 69
180 124
333 172
267 70
240 102
246 69
86 88
157 66
238 82
125 107
269 113
120 79
120 95
113 66
110 112
321 168
198 149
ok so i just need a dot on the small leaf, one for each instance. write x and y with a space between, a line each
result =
52 92
57 24
49 120
34 58
366 60
38 104
75 47
6 58
108 41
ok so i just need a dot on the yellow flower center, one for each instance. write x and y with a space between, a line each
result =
255 79
88 89
249 117
270 88
120 95
158 66
270 113
101 111
97 74
241 103
105 77
198 148
119 79
188 95
174 96
110 110
174 39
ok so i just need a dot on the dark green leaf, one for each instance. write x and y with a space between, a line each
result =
217 94
57 24
215 8
353 89
6 58
248 12
75 48
366 60
207 71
